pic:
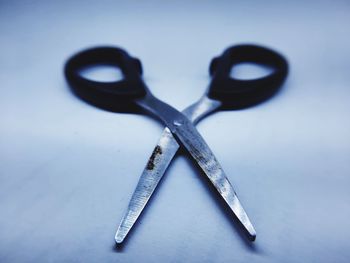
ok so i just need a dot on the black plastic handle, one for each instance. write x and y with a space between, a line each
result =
237 93
115 96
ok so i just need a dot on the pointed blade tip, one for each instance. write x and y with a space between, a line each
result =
119 238
252 236
251 233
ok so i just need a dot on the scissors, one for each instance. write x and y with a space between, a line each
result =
132 95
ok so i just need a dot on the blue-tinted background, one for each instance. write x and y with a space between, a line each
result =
69 169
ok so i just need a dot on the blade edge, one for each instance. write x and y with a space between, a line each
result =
154 171
201 153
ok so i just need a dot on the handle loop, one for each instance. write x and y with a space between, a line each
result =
117 96
237 93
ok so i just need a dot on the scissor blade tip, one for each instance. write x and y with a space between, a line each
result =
251 233
252 237
119 239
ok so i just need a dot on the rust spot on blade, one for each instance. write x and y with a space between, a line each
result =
157 151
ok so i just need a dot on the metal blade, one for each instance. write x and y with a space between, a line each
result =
166 150
200 151
160 159
157 164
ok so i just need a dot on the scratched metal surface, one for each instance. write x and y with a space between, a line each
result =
157 164
67 170
197 148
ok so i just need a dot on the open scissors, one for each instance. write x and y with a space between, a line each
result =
132 95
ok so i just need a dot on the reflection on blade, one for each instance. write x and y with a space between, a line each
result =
160 159
155 169
199 150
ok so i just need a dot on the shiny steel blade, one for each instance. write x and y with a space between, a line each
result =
200 151
157 165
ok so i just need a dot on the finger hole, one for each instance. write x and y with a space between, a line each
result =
250 71
102 73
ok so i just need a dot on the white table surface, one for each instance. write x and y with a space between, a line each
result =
67 170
